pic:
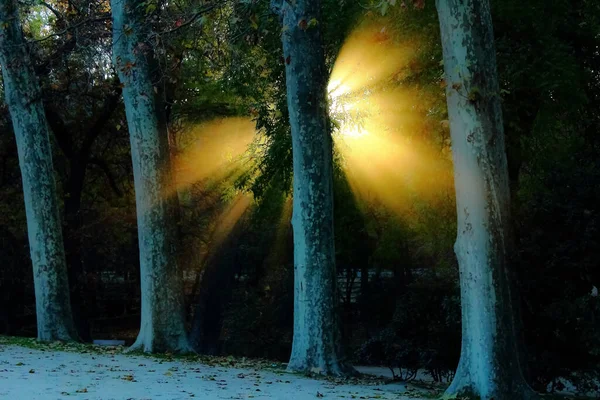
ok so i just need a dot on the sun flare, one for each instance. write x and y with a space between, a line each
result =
379 124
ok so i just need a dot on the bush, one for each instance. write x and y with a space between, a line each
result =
424 333
558 268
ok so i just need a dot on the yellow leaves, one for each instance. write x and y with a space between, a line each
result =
128 378
84 390
254 21
304 25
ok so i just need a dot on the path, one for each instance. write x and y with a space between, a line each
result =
30 374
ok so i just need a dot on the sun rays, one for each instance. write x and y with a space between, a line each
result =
382 136
380 122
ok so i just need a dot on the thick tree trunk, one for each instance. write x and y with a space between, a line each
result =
163 319
23 96
489 366
316 340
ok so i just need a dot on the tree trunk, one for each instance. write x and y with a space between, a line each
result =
23 96
316 340
489 366
163 319
215 292
80 291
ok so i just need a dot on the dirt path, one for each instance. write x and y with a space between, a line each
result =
29 374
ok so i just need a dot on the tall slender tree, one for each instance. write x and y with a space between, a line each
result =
23 97
316 341
163 319
489 366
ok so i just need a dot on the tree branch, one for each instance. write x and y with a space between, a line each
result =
54 10
108 109
43 68
59 129
103 166
193 18
105 17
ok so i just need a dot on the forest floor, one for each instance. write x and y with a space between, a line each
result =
30 371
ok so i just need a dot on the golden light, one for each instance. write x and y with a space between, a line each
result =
210 157
213 150
381 121
227 220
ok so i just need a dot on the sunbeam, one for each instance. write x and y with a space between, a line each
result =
212 150
381 123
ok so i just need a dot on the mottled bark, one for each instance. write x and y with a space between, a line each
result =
23 96
163 319
316 341
489 366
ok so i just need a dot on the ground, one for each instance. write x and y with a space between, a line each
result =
29 371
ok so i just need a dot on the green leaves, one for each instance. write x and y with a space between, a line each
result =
384 7
150 8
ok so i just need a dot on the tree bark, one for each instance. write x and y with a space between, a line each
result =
163 318
23 96
489 366
316 341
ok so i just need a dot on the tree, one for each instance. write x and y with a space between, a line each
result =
163 319
316 343
80 158
489 366
23 96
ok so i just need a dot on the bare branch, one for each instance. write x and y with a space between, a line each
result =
103 166
193 18
105 17
54 10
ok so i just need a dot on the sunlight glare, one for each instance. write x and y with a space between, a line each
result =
212 150
381 129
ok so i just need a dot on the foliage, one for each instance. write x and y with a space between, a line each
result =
227 61
424 333
558 234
